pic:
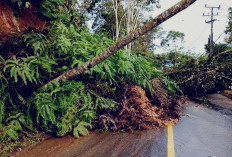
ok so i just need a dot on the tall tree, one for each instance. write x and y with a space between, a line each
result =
133 12
115 6
171 41
126 40
120 17
108 17
229 27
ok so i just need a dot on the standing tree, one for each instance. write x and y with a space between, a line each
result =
117 26
119 17
132 16
171 40
229 27
109 18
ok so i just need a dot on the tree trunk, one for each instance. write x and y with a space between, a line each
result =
129 18
175 53
132 18
115 5
125 41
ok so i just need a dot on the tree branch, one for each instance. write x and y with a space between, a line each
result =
222 53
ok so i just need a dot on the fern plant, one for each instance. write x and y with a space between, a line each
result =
66 107
19 69
15 124
122 67
3 96
171 86
81 129
38 41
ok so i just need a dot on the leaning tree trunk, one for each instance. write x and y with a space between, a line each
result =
125 41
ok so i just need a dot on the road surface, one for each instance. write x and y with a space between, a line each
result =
201 132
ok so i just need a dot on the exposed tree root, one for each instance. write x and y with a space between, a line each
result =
137 112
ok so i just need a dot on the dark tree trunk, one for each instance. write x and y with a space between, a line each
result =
126 40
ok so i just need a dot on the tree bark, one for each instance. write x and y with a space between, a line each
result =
132 18
115 6
129 20
125 41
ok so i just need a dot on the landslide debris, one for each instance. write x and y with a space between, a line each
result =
140 110
13 26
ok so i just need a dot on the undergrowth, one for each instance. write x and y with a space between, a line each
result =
69 106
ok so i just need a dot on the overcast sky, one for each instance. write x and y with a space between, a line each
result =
192 23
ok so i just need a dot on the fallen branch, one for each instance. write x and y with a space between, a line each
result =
222 53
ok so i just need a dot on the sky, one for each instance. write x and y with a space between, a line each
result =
191 22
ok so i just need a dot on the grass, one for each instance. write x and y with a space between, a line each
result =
9 147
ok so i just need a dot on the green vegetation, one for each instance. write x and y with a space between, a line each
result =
72 106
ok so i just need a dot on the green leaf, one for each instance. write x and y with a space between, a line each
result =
81 129
2 60
22 74
7 66
75 132
27 4
12 134
20 97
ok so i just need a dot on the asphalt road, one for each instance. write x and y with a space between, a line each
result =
201 132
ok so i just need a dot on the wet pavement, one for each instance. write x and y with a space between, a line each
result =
201 132
220 100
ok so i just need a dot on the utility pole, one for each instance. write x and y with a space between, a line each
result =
211 22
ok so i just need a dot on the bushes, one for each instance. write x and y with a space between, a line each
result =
124 68
68 106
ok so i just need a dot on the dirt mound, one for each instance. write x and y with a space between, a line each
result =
159 94
137 112
13 27
161 98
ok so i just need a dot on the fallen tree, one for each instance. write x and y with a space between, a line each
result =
124 41
205 76
221 54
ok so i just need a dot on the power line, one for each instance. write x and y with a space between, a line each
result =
200 34
219 37
201 54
